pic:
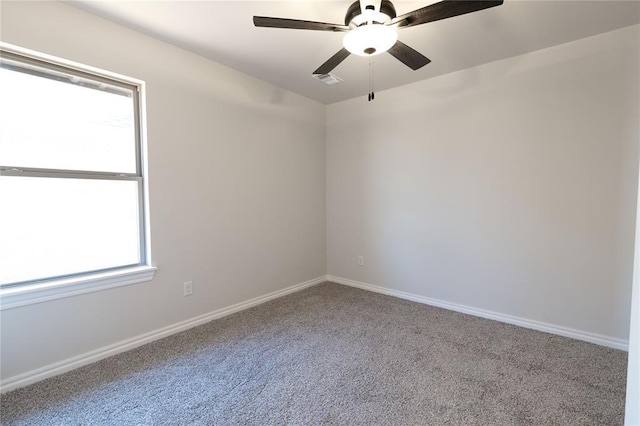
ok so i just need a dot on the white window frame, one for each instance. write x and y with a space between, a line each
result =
72 285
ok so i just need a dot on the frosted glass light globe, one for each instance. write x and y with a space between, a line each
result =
370 40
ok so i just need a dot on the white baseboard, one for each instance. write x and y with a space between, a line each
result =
598 339
125 345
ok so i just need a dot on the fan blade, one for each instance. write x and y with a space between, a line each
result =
442 10
333 62
408 56
296 24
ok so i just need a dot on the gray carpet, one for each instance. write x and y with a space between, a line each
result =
336 355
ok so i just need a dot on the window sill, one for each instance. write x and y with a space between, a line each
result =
67 287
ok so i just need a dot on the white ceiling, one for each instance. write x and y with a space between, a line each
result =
223 31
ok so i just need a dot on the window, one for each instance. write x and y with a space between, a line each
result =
72 181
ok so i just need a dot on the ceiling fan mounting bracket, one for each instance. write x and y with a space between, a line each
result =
354 16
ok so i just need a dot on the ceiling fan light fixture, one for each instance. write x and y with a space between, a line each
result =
370 40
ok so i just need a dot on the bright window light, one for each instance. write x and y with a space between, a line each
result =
57 125
71 179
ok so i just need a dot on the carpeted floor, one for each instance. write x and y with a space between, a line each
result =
336 355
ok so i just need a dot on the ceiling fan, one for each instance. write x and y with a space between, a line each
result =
371 28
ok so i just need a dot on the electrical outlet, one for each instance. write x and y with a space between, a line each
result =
188 288
360 260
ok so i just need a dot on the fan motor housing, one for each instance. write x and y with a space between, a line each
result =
386 7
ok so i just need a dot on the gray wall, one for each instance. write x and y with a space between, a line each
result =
509 187
237 189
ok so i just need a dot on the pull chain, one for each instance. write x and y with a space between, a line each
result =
372 94
369 94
